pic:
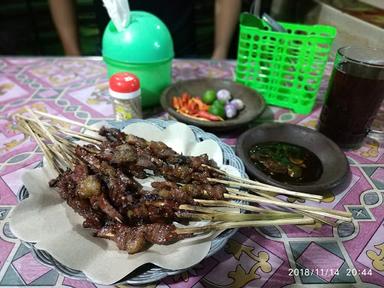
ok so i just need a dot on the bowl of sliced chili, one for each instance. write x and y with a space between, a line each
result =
184 101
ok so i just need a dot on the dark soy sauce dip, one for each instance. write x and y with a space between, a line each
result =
286 163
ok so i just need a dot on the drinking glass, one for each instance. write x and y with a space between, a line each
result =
354 96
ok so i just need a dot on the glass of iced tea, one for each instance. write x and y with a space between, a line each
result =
354 96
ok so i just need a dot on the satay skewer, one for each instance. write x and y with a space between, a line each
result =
57 148
312 197
45 133
346 216
233 217
49 151
85 137
218 208
319 216
65 120
43 147
224 203
270 189
241 224
80 136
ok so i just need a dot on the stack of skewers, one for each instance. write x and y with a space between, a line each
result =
100 180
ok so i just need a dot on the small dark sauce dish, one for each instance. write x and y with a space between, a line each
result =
286 163
335 168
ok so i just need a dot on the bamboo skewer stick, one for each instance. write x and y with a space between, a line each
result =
223 203
319 216
67 121
230 225
43 148
81 136
45 132
41 127
202 209
257 209
56 147
62 149
312 197
272 200
217 204
315 215
68 146
337 214
272 189
234 217
53 154
85 137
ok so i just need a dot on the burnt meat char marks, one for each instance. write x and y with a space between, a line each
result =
119 185
67 186
102 189
156 156
186 193
154 211
136 239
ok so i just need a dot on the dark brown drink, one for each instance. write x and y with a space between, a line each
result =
354 96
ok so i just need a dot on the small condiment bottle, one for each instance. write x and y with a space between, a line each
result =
124 88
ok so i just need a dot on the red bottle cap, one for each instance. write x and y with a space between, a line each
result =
124 82
124 85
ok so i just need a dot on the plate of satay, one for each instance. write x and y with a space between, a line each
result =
133 202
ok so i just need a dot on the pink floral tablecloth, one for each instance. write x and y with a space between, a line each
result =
351 254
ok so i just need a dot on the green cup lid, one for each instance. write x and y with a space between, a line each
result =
145 40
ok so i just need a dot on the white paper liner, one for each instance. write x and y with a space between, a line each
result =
44 218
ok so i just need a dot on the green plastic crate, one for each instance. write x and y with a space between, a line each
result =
285 68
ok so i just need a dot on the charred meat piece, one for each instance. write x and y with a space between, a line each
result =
155 211
161 150
138 238
120 186
93 219
169 190
67 188
131 239
124 154
188 192
112 134
135 171
103 204
205 191
177 173
119 155
145 162
136 141
79 172
162 234
89 186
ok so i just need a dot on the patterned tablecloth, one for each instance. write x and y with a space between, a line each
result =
351 255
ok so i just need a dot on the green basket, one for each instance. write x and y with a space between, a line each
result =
286 68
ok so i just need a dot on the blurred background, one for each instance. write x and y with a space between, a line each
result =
26 26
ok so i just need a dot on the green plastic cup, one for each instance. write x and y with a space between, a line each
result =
144 48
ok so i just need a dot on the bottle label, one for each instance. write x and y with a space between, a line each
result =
125 96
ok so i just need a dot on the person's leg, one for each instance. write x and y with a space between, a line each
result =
64 16
226 18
